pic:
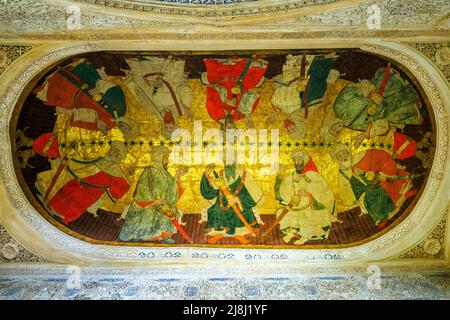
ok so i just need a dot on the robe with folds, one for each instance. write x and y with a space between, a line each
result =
372 198
317 83
380 197
220 215
173 95
63 89
346 195
313 216
222 75
404 146
380 161
400 105
144 219
288 99
77 195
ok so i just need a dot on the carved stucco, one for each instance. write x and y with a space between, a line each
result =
7 243
437 52
434 245
50 16
44 17
44 282
393 14
10 53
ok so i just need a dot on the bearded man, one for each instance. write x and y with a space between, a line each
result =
342 155
232 188
310 218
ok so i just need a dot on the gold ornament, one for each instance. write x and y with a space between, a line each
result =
236 90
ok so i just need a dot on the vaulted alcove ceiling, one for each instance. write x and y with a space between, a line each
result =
29 18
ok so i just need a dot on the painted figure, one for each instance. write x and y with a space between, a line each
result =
376 105
152 214
85 93
295 125
234 193
90 182
303 83
229 83
341 153
311 213
160 86
383 183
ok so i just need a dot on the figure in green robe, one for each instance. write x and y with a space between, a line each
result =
222 219
156 193
359 182
375 199
358 105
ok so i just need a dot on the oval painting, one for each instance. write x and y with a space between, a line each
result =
293 148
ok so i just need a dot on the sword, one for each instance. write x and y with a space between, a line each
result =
294 202
383 84
58 172
61 167
405 177
303 76
228 195
180 229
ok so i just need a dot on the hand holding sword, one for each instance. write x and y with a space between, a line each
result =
233 201
295 201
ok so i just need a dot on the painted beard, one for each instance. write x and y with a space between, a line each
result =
299 168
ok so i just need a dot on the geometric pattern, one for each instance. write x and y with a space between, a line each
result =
10 53
435 238
21 255
141 283
437 52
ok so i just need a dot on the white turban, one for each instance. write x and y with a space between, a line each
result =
302 154
339 148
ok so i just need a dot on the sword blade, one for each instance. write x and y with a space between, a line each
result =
181 230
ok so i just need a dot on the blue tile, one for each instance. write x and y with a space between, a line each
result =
11 291
191 291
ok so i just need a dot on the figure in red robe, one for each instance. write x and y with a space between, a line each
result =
82 193
404 146
76 196
393 178
84 92
229 83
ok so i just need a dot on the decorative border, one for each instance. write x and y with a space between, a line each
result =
230 283
204 2
241 8
380 248
263 34
422 250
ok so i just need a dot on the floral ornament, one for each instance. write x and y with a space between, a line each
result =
10 250
443 56
432 247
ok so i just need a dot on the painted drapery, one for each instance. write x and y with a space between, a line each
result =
355 144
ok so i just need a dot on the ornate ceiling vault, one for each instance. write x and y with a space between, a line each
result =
203 43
